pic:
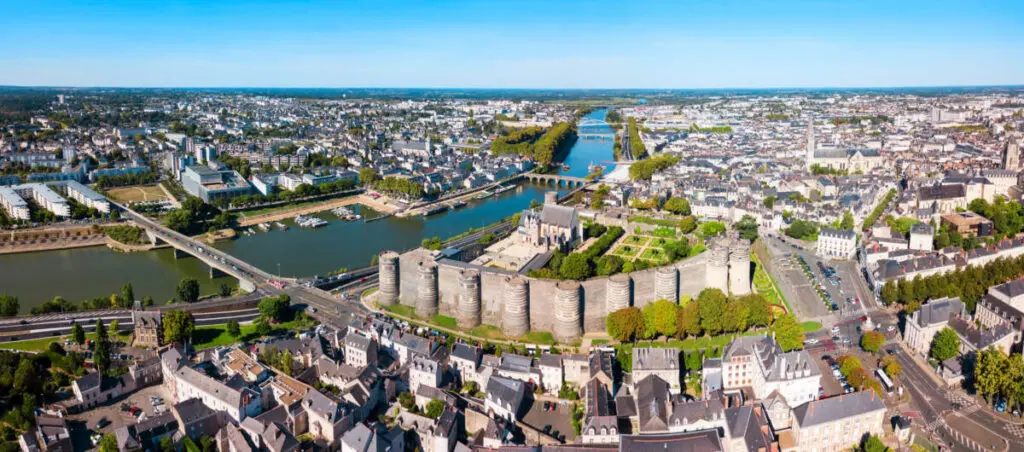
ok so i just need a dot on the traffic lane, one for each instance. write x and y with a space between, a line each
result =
851 272
792 281
926 395
968 432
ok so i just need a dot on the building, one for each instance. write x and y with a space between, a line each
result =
424 371
837 243
1011 155
922 237
195 419
45 198
504 397
925 322
148 329
661 362
211 184
968 223
185 382
554 227
833 158
360 351
838 423
13 203
1003 304
50 434
758 363
94 389
551 375
85 196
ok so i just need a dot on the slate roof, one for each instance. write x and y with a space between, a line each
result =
938 311
837 408
699 441
1011 289
652 404
561 216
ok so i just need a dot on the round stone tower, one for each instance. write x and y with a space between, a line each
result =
387 266
516 319
717 267
567 328
666 284
739 267
551 197
426 303
468 311
619 292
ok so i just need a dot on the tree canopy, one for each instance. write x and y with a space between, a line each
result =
178 326
945 344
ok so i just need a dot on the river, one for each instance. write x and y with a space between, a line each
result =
92 272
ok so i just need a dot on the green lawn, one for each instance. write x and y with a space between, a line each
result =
635 240
42 344
655 254
402 310
658 242
539 337
765 284
275 209
625 250
217 335
444 321
486 331
810 327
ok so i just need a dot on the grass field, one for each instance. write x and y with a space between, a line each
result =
217 335
138 193
269 210
444 321
42 344
487 332
810 327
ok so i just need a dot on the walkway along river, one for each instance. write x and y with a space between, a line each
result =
93 272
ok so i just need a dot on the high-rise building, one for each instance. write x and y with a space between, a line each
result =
1011 155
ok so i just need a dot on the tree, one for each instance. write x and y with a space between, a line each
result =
687 225
788 332
187 290
575 266
759 311
688 321
678 206
989 372
945 345
101 353
890 294
276 308
128 294
625 324
208 444
109 443
78 334
802 229
848 363
847 222
891 366
712 304
735 317
871 341
660 318
769 201
712 228
746 227
406 400
609 265
115 326
167 444
225 290
25 378
233 329
434 408
874 444
9 305
262 327
178 326
287 362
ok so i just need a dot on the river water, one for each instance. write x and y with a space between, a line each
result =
92 272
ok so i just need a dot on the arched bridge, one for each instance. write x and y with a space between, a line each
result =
557 180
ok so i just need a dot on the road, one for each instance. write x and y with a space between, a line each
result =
55 327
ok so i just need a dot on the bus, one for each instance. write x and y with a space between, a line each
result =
886 381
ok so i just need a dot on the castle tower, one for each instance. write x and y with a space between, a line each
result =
739 267
567 327
717 266
619 292
387 265
516 318
469 298
426 303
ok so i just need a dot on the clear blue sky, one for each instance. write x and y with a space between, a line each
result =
512 44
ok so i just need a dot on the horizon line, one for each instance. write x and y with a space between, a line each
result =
823 87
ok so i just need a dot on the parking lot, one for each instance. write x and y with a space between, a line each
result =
112 416
556 422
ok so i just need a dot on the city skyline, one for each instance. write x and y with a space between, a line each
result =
571 45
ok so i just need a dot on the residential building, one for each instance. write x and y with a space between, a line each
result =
758 363
838 423
360 351
663 362
504 397
148 329
837 243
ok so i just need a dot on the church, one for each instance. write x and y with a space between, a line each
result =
555 227
834 158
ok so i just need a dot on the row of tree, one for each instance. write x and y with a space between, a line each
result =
645 169
711 313
399 185
969 283
636 144
998 376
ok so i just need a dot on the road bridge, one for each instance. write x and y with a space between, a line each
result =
595 136
248 275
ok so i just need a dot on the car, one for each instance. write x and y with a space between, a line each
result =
864 319
846 340
890 328
103 422
811 341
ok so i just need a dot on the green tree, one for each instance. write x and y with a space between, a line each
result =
736 316
276 308
109 443
891 366
712 228
871 341
101 353
263 328
9 305
712 303
115 326
187 290
225 290
945 345
769 201
678 206
609 265
434 408
660 318
746 227
287 363
802 229
890 294
847 222
687 225
788 332
625 324
128 294
78 334
167 444
178 326
874 444
25 377
989 372
233 329
575 266
758 309
688 321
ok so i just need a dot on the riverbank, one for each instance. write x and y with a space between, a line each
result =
286 212
51 238
464 196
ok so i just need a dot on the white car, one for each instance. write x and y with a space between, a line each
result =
811 341
891 328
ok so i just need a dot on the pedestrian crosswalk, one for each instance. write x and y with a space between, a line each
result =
1015 430
936 423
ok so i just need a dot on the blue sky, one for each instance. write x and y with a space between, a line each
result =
512 44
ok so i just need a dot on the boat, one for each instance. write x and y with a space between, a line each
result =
459 205
504 189
263 227
310 221
484 195
595 168
281 225
435 210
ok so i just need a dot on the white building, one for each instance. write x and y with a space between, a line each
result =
188 383
86 196
45 197
836 424
837 243
424 371
13 203
925 323
921 235
360 351
758 363
662 362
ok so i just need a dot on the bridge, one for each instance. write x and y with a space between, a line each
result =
248 276
595 136
557 180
